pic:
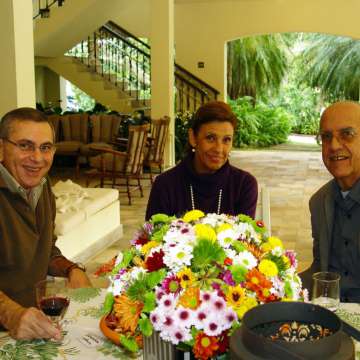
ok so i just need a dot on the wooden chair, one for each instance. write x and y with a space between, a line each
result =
112 166
156 147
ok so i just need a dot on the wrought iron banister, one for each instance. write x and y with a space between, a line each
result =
41 8
124 60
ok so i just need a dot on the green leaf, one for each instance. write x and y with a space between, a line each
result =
145 326
238 246
238 273
149 302
127 257
158 235
108 303
144 283
206 253
129 343
160 218
155 277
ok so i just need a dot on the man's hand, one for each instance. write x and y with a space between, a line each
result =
78 279
34 324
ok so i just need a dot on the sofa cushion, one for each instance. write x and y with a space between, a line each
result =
68 146
74 204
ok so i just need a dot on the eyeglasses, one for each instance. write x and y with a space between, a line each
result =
344 136
29 147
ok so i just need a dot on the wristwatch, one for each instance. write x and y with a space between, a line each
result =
75 266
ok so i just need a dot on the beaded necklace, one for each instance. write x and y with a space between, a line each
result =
193 202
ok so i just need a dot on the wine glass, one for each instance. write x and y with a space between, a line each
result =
52 296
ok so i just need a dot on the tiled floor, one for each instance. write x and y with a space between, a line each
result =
291 177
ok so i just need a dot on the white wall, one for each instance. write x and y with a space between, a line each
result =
202 27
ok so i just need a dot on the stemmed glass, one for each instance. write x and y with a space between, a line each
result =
52 297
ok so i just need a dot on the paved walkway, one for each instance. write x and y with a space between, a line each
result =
291 177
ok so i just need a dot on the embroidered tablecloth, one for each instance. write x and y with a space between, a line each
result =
84 340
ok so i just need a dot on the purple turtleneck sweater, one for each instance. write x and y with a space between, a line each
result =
171 195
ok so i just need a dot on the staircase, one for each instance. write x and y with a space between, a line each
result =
113 66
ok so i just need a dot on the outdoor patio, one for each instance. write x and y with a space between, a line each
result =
291 177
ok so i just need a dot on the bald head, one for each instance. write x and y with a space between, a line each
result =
341 109
340 134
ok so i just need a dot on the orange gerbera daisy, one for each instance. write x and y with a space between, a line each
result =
127 312
205 346
256 281
190 298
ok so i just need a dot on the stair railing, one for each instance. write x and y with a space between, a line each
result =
41 8
124 60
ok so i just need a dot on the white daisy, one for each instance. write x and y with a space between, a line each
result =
177 257
226 237
246 259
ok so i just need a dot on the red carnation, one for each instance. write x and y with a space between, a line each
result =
155 261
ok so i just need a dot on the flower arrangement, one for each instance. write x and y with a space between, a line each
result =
192 279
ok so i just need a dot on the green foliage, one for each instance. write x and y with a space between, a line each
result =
206 252
129 343
160 218
182 125
259 125
82 100
149 302
158 235
256 65
108 303
145 326
128 255
238 246
333 66
238 273
139 289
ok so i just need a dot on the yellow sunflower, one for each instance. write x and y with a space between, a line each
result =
186 277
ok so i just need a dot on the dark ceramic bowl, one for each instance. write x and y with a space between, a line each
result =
248 343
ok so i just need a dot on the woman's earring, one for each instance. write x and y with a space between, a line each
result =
193 149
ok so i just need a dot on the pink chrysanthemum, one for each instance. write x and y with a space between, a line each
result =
171 285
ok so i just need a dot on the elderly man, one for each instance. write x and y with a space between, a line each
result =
27 213
335 208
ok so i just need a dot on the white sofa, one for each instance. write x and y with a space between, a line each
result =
87 219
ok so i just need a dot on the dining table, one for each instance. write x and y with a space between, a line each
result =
83 338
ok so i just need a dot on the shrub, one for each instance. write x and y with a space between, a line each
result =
259 125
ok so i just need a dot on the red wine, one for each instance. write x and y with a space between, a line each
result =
54 306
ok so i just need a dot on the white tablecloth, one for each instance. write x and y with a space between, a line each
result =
84 340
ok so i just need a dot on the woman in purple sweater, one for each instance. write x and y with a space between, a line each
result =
205 180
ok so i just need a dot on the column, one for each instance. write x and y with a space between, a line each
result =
162 69
17 55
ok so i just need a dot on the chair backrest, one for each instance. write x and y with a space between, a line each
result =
75 127
263 208
136 148
54 119
104 127
159 132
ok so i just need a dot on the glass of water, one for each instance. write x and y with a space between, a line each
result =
326 290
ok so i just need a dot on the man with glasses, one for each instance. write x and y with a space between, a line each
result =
27 214
335 208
